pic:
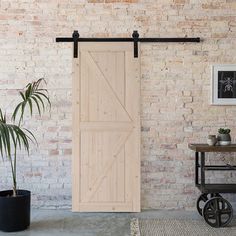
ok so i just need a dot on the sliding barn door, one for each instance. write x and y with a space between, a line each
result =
106 128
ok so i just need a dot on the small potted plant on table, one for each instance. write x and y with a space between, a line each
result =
15 203
224 137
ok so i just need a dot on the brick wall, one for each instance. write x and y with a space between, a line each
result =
175 87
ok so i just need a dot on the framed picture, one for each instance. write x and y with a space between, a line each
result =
223 85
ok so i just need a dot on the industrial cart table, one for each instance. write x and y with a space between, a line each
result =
216 210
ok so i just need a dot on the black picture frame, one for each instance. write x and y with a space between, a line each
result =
223 85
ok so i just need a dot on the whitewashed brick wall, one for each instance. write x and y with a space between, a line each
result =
175 87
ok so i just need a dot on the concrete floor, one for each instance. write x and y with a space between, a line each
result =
66 223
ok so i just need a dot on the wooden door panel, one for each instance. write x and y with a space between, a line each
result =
115 60
97 162
106 128
102 102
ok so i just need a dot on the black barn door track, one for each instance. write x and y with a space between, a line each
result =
135 39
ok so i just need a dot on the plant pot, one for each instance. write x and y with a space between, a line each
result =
14 211
212 140
224 139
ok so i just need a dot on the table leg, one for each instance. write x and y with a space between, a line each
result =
202 168
196 167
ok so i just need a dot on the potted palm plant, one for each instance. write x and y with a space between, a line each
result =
15 203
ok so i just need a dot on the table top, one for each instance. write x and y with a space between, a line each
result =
202 147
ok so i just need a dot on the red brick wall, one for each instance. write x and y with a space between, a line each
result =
175 87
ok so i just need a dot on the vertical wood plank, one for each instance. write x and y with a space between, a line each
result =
132 71
76 136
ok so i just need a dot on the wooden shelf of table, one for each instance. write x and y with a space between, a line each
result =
207 148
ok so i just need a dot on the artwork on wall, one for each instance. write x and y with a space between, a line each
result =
223 85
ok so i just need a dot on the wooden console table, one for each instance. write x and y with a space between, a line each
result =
216 210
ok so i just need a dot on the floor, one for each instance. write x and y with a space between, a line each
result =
66 223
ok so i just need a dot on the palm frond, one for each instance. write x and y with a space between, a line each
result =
13 137
2 117
32 94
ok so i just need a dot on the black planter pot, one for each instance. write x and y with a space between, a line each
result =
14 211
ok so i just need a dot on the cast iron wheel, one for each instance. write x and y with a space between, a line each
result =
203 198
217 212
